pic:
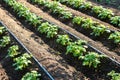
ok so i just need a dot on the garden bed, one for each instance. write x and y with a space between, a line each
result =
52 41
7 62
82 71
102 39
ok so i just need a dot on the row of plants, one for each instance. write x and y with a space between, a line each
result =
98 29
76 48
101 12
21 60
55 8
86 23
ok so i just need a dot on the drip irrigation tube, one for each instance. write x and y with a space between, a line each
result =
38 63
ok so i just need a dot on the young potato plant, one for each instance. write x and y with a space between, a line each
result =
86 6
78 20
105 14
63 40
22 61
66 15
2 30
43 27
115 36
54 7
88 23
58 10
50 30
4 41
33 75
77 3
115 20
33 19
97 9
91 59
76 48
13 51
99 29
114 75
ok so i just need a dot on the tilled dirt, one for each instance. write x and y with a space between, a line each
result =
46 16
3 74
51 62
55 64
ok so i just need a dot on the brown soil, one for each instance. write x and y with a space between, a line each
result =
55 64
114 4
102 40
3 75
96 44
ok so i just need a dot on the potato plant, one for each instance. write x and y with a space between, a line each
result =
115 20
105 14
91 59
2 30
78 20
22 62
4 41
97 9
76 3
33 75
99 29
88 23
63 40
50 30
77 48
102 13
115 37
114 75
66 15
13 51
86 6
